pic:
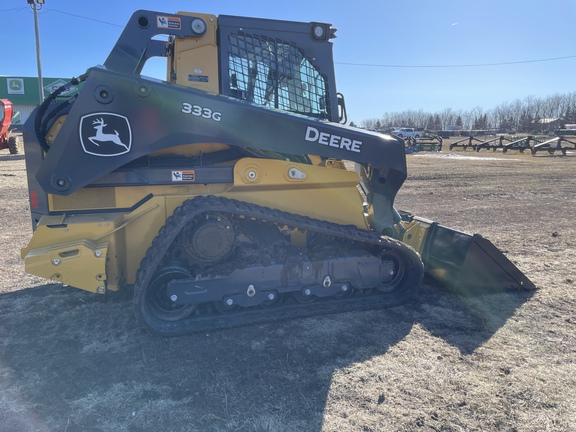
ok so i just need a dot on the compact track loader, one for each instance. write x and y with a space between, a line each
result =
221 194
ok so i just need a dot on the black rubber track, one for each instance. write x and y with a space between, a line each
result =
373 299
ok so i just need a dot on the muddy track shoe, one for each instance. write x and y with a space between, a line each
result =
219 263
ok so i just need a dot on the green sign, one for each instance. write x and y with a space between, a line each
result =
24 90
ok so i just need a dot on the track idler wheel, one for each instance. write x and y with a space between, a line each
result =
156 300
395 275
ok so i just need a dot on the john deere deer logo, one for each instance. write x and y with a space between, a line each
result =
102 137
105 134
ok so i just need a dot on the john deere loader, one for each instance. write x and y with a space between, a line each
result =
221 194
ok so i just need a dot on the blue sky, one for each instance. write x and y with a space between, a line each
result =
390 55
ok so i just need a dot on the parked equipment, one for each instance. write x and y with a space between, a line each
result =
426 142
7 140
221 194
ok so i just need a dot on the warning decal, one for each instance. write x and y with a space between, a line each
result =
168 22
178 176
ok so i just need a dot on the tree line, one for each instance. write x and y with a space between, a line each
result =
521 115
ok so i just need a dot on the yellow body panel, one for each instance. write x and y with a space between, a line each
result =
79 263
416 233
325 193
194 62
73 250
105 249
191 150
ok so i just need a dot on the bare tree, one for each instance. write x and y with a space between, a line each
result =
447 117
369 123
519 114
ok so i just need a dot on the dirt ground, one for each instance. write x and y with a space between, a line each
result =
73 361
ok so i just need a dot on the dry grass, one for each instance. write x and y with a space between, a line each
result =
72 361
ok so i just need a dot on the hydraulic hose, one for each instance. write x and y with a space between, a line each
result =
41 121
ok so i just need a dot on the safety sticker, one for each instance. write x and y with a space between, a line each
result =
188 175
167 22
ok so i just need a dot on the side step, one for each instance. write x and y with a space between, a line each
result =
467 264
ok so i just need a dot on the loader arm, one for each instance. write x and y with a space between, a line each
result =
159 116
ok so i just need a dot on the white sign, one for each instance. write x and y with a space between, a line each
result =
15 85
53 86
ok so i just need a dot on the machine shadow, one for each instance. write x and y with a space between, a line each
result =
81 363
467 322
